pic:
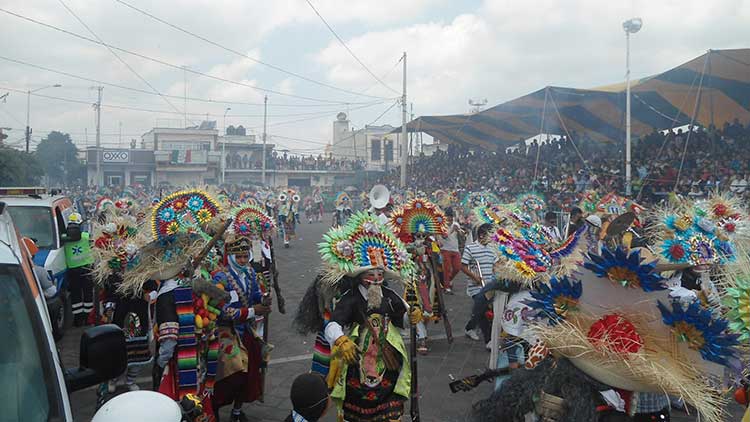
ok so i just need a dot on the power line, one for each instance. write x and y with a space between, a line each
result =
313 118
13 117
316 114
138 75
253 59
164 63
348 49
128 88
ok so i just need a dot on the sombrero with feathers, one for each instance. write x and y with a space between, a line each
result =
361 245
181 224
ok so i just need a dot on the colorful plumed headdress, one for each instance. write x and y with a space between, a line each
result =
116 242
520 260
589 201
418 215
686 235
247 197
103 203
531 203
360 245
251 221
614 204
183 212
342 200
476 199
617 322
181 224
491 214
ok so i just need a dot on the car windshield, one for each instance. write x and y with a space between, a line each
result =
26 366
36 223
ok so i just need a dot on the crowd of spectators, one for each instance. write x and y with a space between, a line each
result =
285 161
692 164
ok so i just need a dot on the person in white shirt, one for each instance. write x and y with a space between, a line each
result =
482 254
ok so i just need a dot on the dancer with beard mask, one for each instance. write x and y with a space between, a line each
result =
369 374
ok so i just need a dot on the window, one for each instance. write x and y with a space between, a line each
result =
388 150
29 387
35 223
375 149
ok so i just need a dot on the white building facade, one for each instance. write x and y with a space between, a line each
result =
375 145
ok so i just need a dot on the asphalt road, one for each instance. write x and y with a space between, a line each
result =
292 354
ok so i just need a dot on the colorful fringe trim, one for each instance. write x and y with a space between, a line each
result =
321 355
187 345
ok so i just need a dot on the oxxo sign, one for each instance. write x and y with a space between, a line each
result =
116 156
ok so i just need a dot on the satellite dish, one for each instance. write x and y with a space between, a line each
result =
341 117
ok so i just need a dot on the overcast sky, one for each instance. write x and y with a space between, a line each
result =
457 50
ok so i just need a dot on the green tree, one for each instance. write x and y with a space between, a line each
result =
18 168
59 157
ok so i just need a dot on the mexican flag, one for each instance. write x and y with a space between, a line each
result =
181 157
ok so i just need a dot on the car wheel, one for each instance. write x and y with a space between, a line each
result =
62 318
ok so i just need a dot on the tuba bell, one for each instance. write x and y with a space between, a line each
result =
379 196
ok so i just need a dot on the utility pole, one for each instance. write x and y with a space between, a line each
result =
28 127
265 116
403 130
184 95
98 108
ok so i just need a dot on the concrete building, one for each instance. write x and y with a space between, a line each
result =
374 145
199 156
121 166
186 156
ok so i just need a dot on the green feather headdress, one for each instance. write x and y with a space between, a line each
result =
362 244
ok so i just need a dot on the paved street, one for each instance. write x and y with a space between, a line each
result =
291 356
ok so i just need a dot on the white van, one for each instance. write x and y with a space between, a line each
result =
43 218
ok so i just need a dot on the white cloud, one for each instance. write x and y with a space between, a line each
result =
506 48
498 49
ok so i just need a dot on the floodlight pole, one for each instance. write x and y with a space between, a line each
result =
628 175
631 26
404 143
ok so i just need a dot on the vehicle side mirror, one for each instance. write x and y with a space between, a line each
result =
102 357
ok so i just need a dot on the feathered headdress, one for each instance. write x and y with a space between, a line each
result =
116 242
616 321
476 199
181 224
690 235
183 212
418 215
589 201
342 199
491 214
363 244
531 202
251 221
520 260
103 203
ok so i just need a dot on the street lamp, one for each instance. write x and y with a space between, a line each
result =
28 110
224 149
631 26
